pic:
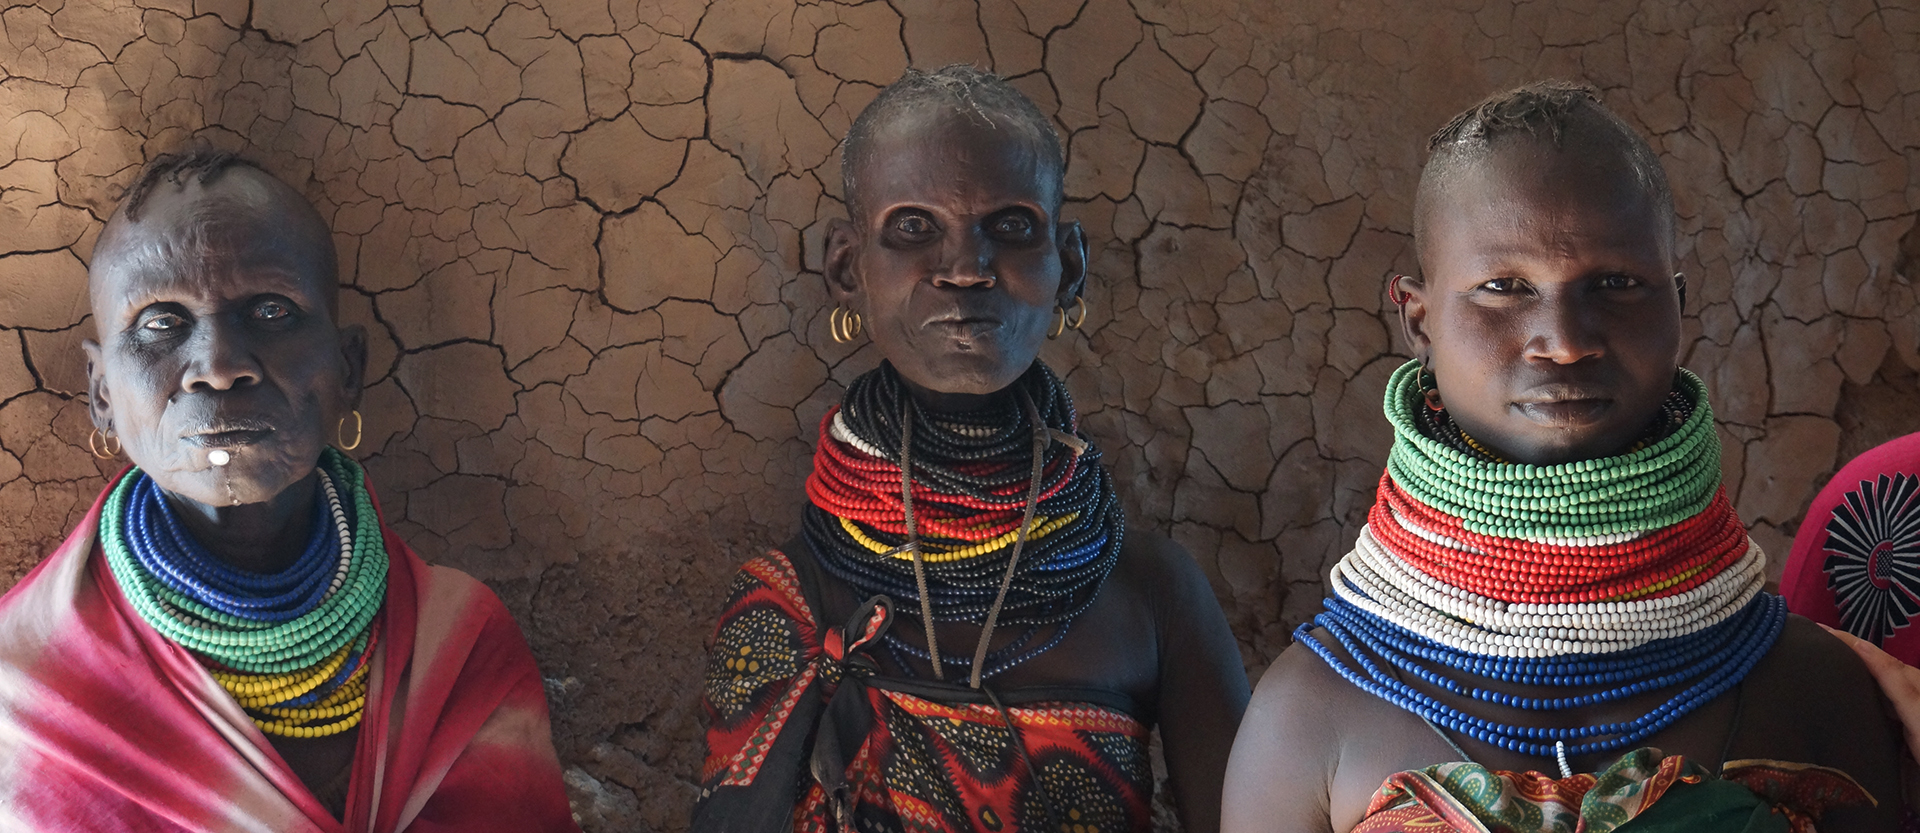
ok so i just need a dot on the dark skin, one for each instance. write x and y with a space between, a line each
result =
215 312
1550 315
956 259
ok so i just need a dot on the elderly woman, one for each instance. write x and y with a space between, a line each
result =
230 639
1553 617
965 635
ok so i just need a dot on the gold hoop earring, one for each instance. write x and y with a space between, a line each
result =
340 440
845 324
103 444
1059 323
1080 313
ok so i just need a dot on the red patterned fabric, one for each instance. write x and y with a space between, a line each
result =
1798 792
1642 791
883 758
107 725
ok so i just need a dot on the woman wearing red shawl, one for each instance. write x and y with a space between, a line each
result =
230 639
965 636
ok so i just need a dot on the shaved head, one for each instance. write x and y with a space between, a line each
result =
1558 114
206 207
974 94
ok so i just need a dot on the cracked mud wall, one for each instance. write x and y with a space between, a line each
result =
585 238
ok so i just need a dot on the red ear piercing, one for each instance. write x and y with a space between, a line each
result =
1398 296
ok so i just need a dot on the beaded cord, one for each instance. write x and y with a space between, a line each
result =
1663 483
1731 667
1368 579
1648 564
293 648
1608 578
973 475
246 643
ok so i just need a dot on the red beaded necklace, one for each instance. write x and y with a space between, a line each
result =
1660 563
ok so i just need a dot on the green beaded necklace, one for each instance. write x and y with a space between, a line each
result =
1662 484
251 646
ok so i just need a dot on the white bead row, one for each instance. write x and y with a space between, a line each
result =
1388 588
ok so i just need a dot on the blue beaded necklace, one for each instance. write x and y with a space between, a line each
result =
1715 660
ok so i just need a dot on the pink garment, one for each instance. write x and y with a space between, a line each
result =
107 725
1856 560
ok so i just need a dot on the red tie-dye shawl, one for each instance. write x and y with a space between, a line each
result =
107 725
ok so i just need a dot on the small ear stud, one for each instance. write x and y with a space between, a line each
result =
219 457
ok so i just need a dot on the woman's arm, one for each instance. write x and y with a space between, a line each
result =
1202 689
1281 773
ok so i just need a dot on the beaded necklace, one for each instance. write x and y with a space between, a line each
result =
1613 577
1002 516
291 647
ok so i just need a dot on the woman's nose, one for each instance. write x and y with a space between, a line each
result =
220 358
969 263
1565 332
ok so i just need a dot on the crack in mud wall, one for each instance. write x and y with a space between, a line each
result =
585 236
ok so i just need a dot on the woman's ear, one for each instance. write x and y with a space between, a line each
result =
843 278
1073 262
99 406
1409 293
353 352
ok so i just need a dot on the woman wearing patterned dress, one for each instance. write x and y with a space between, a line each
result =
1855 569
231 640
1856 560
965 635
1553 618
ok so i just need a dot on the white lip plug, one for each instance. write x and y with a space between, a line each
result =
219 457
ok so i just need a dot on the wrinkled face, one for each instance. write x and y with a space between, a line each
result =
1548 309
956 260
215 317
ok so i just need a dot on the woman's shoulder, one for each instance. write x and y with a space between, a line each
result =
1810 700
1159 568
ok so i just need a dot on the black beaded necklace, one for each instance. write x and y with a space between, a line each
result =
1017 463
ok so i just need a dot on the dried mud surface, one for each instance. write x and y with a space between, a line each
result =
585 237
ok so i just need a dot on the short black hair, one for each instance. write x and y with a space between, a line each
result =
1551 111
197 164
958 88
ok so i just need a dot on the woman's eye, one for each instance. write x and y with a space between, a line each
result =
913 224
271 311
1504 285
1618 282
163 322
1013 225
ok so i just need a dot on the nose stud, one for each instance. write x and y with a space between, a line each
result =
218 457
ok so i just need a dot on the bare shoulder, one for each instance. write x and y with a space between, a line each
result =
1811 700
1284 759
1158 568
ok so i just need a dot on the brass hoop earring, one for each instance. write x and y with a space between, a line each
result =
1079 315
340 440
845 324
1059 323
103 444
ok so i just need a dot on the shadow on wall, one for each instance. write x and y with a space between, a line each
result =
585 237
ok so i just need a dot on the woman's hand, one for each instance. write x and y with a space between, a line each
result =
1901 684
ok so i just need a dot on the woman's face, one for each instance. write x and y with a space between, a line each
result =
956 260
215 316
1548 310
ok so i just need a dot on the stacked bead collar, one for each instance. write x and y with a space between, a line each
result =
1631 573
292 647
972 477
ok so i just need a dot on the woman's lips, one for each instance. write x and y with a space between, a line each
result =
1568 412
231 438
963 326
